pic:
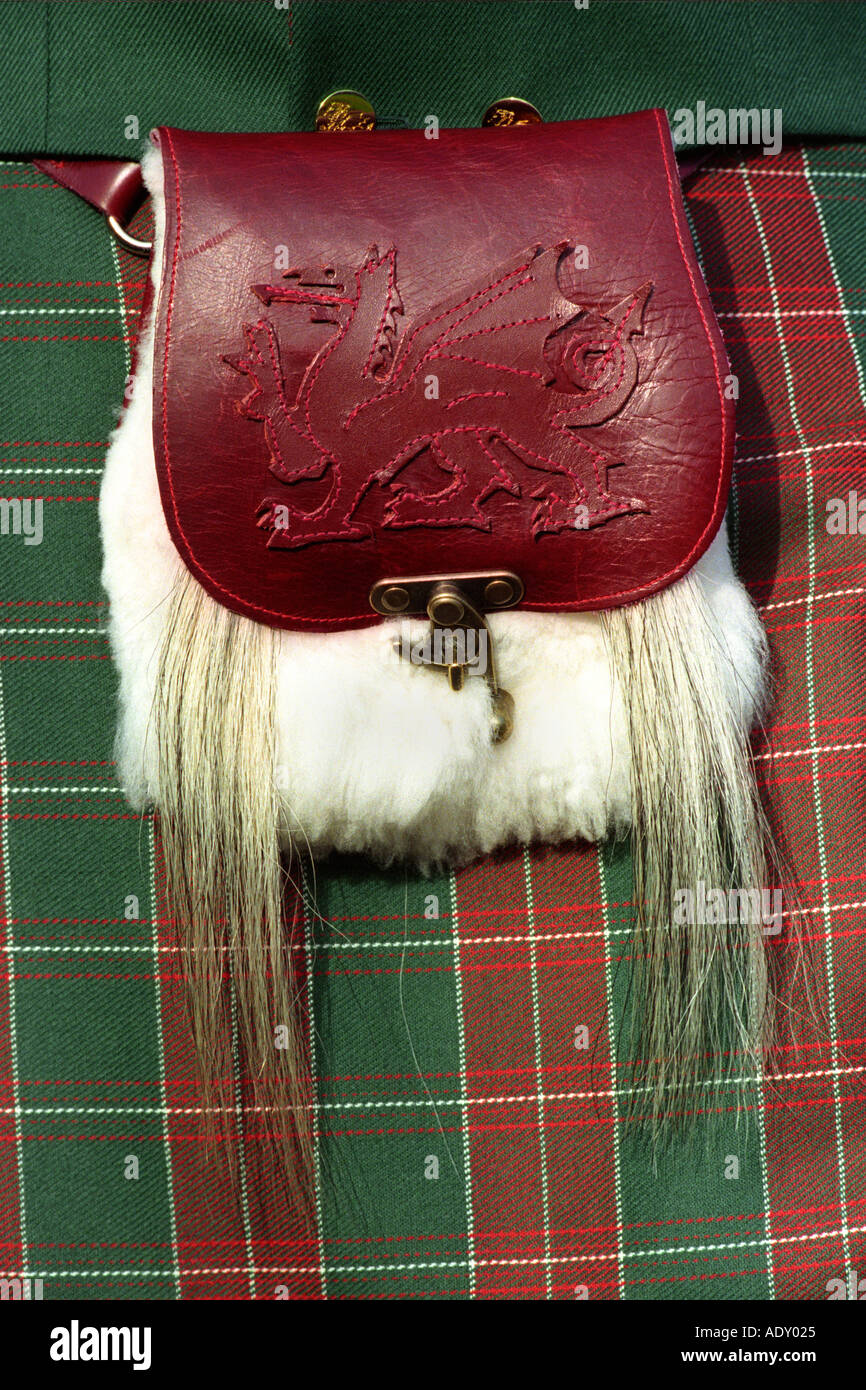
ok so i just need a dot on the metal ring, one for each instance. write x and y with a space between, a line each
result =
130 243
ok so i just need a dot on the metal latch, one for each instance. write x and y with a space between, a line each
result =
459 642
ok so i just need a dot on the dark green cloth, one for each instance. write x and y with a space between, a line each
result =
72 73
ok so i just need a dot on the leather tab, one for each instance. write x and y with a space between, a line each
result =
114 186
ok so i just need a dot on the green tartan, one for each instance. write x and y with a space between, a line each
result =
443 1011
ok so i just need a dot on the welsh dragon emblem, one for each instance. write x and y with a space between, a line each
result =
420 422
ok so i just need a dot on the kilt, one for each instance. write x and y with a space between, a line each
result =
475 1137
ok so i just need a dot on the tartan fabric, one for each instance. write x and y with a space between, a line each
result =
466 1147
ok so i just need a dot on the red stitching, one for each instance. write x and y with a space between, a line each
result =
419 439
471 396
392 257
504 476
275 368
476 294
344 531
499 327
480 300
438 499
479 361
249 401
401 357
593 378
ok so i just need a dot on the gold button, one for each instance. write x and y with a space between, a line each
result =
345 111
511 111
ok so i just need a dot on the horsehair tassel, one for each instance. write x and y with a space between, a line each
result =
214 727
702 993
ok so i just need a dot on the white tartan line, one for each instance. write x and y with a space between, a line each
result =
373 1103
491 1262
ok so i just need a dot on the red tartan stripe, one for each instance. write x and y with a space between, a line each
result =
204 1210
800 1116
210 1210
515 1185
580 1154
824 385
505 1164
274 1226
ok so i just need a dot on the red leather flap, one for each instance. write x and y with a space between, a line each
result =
380 354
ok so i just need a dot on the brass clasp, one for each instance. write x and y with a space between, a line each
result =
460 642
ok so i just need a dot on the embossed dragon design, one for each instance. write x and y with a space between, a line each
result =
486 394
